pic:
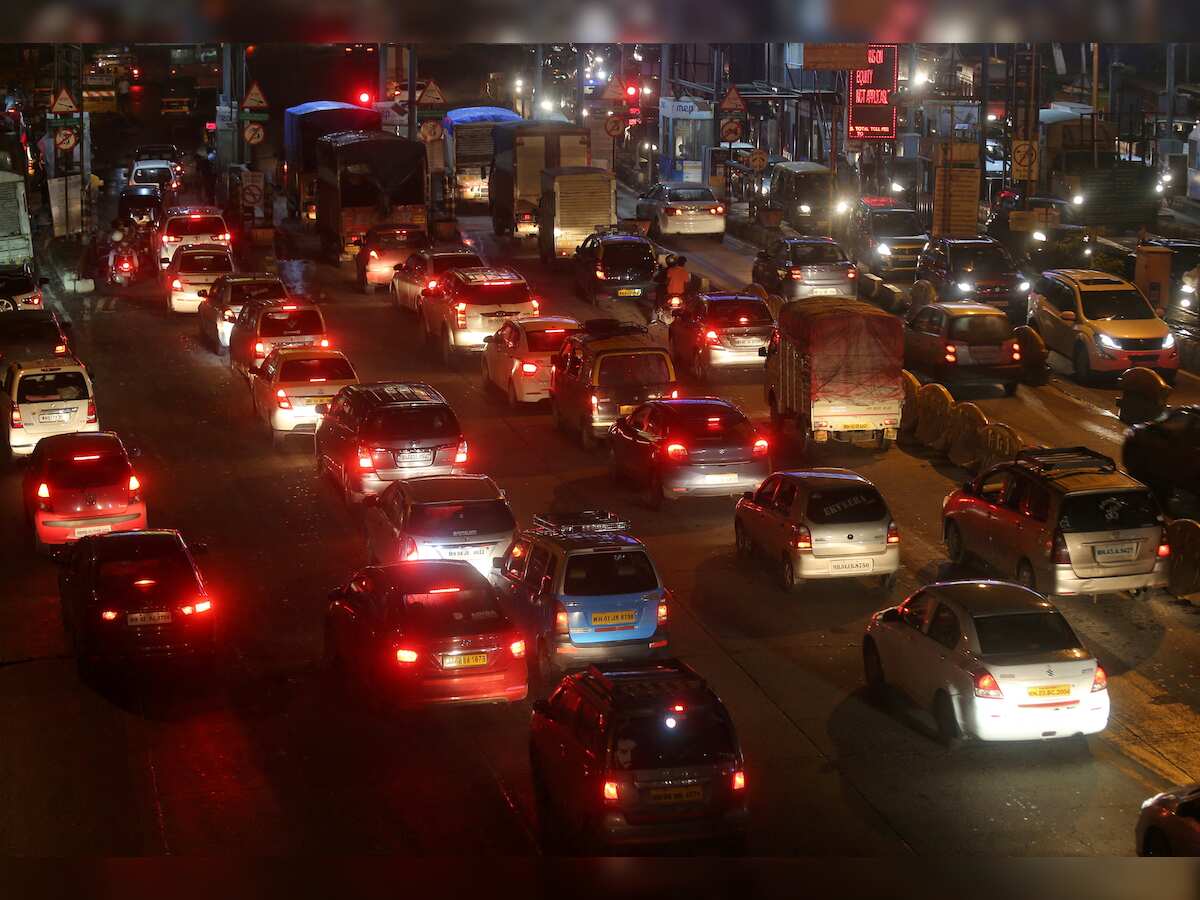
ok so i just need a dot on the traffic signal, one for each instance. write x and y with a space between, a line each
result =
631 91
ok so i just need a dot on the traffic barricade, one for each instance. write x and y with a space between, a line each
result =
1035 368
997 442
967 423
1184 537
909 413
1143 395
934 405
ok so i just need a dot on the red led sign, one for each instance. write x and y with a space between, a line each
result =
872 110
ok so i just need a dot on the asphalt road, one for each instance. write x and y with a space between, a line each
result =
270 758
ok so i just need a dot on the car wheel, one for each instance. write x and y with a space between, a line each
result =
1025 575
547 674
348 491
652 491
6 305
587 438
1156 844
873 671
514 402
947 722
1083 365
788 579
955 548
742 542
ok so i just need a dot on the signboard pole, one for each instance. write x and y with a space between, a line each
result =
412 92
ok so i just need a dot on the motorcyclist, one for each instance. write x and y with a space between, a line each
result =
678 277
120 242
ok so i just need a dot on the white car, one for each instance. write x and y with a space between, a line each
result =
993 661
469 305
158 172
516 359
224 301
290 384
183 226
44 397
20 289
682 208
191 275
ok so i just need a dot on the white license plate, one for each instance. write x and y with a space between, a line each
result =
92 529
721 478
158 617
1114 553
413 457
852 565
467 552
316 401
824 292
51 418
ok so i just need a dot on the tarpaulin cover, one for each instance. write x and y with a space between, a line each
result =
470 114
384 162
304 124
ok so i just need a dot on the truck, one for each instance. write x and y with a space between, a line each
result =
833 368
16 240
521 152
576 200
468 148
365 179
303 126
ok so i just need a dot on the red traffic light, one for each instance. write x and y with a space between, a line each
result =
364 97
631 90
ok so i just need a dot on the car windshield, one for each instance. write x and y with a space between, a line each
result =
845 505
624 572
323 368
12 285
446 610
397 239
455 261
980 259
896 223
669 739
1109 511
496 293
191 226
460 520
628 255
412 422
738 313
814 254
159 175
205 263
690 195
710 421
1115 306
626 369
1031 632
43 387
549 340
241 292
980 329
280 323
71 473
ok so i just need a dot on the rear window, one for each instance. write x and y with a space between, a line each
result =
715 421
494 294
625 369
548 341
243 292
670 739
465 520
1109 511
205 263
414 422
159 175
49 386
1032 632
739 313
684 195
147 579
609 573
628 254
457 261
73 474
845 505
401 239
980 329
280 323
330 368
811 254
447 612
188 226
10 285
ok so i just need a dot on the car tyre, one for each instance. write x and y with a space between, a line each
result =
1025 575
955 548
873 672
788 579
742 542
546 674
1082 365
949 734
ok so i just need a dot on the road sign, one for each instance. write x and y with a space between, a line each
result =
432 95
253 133
430 131
731 130
757 160
65 139
612 92
64 102
1024 160
251 195
250 115
613 126
732 101
254 99
835 56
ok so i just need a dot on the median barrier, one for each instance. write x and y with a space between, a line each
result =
1143 395
891 298
1184 537
997 442
934 405
967 423
868 284
908 412
1189 354
1034 356
922 295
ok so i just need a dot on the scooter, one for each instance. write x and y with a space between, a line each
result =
125 268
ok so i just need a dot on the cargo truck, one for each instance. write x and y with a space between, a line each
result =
303 126
16 240
522 152
576 200
468 148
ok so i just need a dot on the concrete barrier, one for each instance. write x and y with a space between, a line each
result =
1184 537
1189 354
1143 395
1034 355
78 285
967 423
868 284
997 442
891 298
922 295
909 414
934 405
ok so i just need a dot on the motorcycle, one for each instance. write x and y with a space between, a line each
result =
125 268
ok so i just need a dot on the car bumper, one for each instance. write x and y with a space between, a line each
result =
568 654
52 529
22 443
1006 723
1063 581
531 390
735 357
471 340
304 418
849 566
970 374
708 224
124 643
184 301
715 480
615 828
381 273
1105 360
510 686
375 483
796 290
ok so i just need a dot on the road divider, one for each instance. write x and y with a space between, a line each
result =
997 442
1143 397
922 295
1184 537
1034 356
934 407
967 423
908 412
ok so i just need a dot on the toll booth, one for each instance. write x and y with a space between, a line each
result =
687 130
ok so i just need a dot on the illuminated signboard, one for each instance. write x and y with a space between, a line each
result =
872 95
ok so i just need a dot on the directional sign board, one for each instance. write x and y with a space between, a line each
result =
613 126
64 102
732 101
1024 160
731 130
757 160
253 132
65 139
835 56
254 99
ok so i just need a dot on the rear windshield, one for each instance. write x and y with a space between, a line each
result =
190 227
11 285
1031 632
683 195
157 151
980 259
280 323
845 505
811 254
980 329
205 263
609 573
400 239
628 254
243 292
495 294
1109 512
549 340
1100 306
671 739
701 422
329 368
447 613
461 520
457 261
739 313
159 175
19 327
73 474
48 386
413 422
625 369
147 579
896 223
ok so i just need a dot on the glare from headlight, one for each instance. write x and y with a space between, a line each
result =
805 208
1168 342
897 187
1087 251
1023 286
558 232
1188 289
965 286
1039 235
1105 341
883 250
1158 187
1077 199
1146 804
842 206
1167 176
765 189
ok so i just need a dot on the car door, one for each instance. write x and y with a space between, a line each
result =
902 653
777 519
241 338
917 340
754 513
684 328
262 386
585 263
416 276
935 654
535 591
583 761
510 585
979 520
383 520
564 704
1184 828
335 433
1007 524
1058 333
504 352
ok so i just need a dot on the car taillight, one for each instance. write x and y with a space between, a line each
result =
229 315
1060 555
14 419
536 304
460 315
260 349
986 685
893 535
796 274
738 780
529 368
460 455
761 446
224 236
612 793
91 412
671 211
109 615
1100 679
663 612
43 491
373 255
1016 352
125 265
595 403
134 484
200 606
717 210
323 343
801 538
951 353
560 620
712 337
677 452
365 463
408 549
675 302
1164 548
170 239
675 394
281 399
431 284
60 349
517 649
599 273
853 273
405 656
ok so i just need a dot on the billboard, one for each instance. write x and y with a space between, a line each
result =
872 107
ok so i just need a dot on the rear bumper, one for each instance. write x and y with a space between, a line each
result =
571 655
1063 581
21 442
510 686
531 390
380 273
614 829
707 224
798 290
117 642
697 480
1004 723
54 530
818 567
970 374
734 358
303 418
184 301
374 483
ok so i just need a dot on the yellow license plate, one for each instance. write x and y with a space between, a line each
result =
690 794
855 426
1051 690
629 292
624 617
625 410
464 660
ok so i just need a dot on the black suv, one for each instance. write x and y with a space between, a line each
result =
621 266
373 434
637 753
978 268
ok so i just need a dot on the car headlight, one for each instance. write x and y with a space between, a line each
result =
765 189
1105 341
1168 342
1146 804
1087 251
842 206
805 208
883 250
1188 289
1158 188
965 286
1039 235
1077 199
1023 286
1167 176
897 187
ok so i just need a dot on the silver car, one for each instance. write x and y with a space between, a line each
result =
682 208
450 517
819 523
801 267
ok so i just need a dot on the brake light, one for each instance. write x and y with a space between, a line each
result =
796 274
739 780
170 239
460 315
675 302
365 463
517 649
431 284
595 402
717 210
761 446
323 343
677 452
289 306
853 273
260 349
200 606
560 620
801 538
951 353
675 394
43 491
893 535
1060 555
535 304
373 255
60 349
281 399
986 686
712 337
599 273
663 612
125 265
1016 352
91 412
109 615
406 656
14 419
611 791
134 484
1100 679
529 368
672 211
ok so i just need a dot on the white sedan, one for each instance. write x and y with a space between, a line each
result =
682 208
292 386
516 359
993 661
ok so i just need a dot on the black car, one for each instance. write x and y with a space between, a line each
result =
135 595
1162 454
629 752
140 202
620 266
33 334
977 268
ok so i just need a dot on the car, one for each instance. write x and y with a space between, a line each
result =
1102 323
291 384
267 325
1182 303
20 289
1161 454
136 595
978 268
33 334
682 208
168 152
992 661
1169 823
1053 222
376 433
191 274
886 236
517 358
183 226
1063 521
958 344
583 591
224 299
469 304
604 372
799 267
423 271
457 517
616 266
424 632
158 172
44 397
698 447
720 331
637 753
383 248
818 524
80 484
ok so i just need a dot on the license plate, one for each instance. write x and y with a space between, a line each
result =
629 292
1123 552
854 426
823 292
158 617
623 617
625 410
985 355
467 552
852 565
692 793
721 478
1051 690
92 529
464 660
49 418
413 457
316 401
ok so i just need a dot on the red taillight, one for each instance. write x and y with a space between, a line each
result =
986 686
663 612
373 254
761 446
1060 555
109 615
675 394
323 343
43 491
517 649
406 657
595 402
281 399
951 353
134 484
853 273
529 368
1164 548
717 210
431 284
611 791
672 211
712 337
14 419
675 302
677 452
893 535
224 236
200 606
60 349
599 273
460 315
801 538
1100 679
365 463
460 455
560 621
796 274
260 349
170 239
739 780
1016 352
125 265
91 412
536 304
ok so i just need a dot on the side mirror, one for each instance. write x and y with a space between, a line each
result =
542 708
256 369
546 586
1068 316
579 249
497 562
762 351
489 338
322 409
968 488
890 615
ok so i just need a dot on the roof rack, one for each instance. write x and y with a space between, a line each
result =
586 521
1065 459
612 327
648 680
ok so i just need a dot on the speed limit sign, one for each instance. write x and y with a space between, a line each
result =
253 133
66 139
613 126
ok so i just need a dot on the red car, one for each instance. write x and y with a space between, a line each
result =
425 632
81 484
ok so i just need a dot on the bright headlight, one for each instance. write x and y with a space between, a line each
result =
765 189
1167 176
1087 251
1077 199
1105 341
1168 342
897 187
1023 286
965 286
1188 289
805 208
842 206
883 250
1158 187
1039 235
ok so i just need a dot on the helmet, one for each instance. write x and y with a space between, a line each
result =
117 236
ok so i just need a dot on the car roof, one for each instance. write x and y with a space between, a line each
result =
450 488
990 598
270 304
623 238
968 241
432 252
1092 280
808 239
112 543
1175 243
586 542
417 576
487 275
886 204
647 686
398 392
1084 482
968 308
684 185
57 444
141 190
825 477
47 363
804 167
617 343
687 402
